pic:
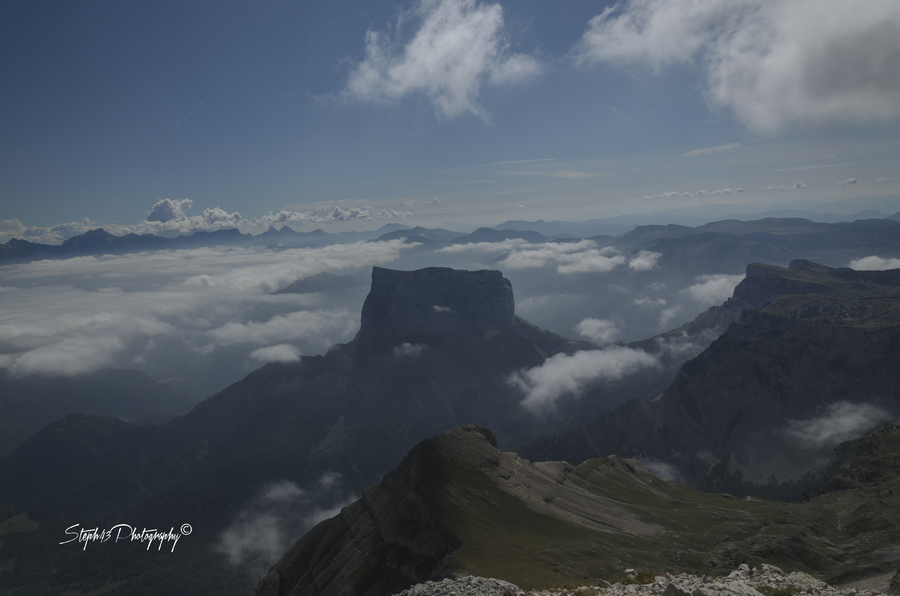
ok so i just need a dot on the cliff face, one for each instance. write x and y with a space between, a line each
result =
816 350
434 301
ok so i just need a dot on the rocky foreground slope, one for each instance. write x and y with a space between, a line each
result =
457 505
763 580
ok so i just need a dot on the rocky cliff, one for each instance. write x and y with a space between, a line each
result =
816 351
434 301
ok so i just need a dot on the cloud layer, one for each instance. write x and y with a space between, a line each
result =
775 63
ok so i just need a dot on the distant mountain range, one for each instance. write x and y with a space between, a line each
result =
722 246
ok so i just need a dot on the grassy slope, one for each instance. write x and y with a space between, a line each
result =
836 535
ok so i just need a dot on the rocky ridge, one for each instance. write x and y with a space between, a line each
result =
763 580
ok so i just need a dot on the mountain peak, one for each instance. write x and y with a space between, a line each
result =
435 301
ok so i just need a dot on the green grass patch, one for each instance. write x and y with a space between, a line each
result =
18 523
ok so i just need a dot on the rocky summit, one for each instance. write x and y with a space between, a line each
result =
458 506
434 301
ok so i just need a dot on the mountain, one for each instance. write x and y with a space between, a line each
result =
30 402
100 242
456 504
727 246
436 236
435 350
813 358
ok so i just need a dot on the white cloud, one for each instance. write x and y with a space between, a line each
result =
667 315
599 331
713 289
847 181
794 186
563 374
277 353
874 263
775 63
408 350
317 327
879 180
711 149
69 356
645 260
459 47
841 422
167 210
568 257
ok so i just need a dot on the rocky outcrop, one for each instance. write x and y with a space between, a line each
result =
814 342
389 539
743 581
434 301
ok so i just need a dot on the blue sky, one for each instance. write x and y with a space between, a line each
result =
362 113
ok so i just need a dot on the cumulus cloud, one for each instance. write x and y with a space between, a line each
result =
408 350
459 46
166 210
794 186
847 181
278 353
599 331
775 63
563 374
841 421
874 263
713 289
644 260
168 216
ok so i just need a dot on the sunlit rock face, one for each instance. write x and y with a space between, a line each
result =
435 301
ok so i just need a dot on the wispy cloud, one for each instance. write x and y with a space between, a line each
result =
713 289
794 186
504 163
840 422
834 165
711 149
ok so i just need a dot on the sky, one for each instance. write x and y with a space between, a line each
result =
162 116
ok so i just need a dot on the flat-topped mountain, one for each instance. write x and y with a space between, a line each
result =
414 305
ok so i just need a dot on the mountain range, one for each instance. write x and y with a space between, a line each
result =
439 348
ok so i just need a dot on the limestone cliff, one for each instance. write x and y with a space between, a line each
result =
434 301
